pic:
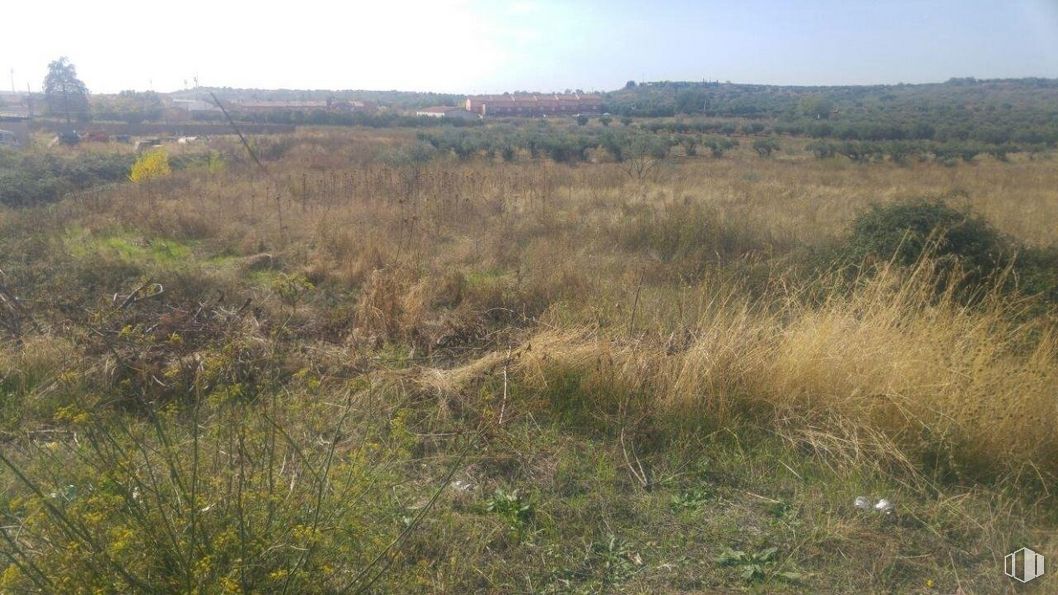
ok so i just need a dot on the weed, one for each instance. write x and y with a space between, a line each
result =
693 499
754 566
514 507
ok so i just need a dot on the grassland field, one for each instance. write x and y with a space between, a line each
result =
359 369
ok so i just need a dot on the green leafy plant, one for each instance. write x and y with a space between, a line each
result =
753 566
692 499
292 288
616 558
513 506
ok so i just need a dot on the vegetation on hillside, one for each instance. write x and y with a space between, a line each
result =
985 111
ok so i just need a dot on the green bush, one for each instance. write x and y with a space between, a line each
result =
1036 272
34 179
904 231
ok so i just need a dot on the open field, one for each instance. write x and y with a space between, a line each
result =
372 366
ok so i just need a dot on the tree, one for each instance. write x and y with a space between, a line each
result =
582 120
718 145
816 107
643 155
765 146
605 120
690 101
822 150
690 144
64 93
630 85
130 106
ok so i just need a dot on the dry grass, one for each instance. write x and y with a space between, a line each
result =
677 312
925 383
430 247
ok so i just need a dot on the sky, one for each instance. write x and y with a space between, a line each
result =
475 46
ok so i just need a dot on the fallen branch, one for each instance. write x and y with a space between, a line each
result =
503 403
135 296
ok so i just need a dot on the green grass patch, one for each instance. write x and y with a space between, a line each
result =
129 247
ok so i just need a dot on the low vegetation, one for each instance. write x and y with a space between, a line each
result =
410 362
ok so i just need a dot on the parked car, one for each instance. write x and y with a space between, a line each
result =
65 137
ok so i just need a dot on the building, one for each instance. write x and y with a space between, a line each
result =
531 104
446 111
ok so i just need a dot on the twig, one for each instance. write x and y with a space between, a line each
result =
503 403
637 470
790 469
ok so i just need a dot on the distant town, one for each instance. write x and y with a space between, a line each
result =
132 112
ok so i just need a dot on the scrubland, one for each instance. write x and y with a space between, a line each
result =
358 370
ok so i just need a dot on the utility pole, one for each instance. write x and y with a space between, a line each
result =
13 81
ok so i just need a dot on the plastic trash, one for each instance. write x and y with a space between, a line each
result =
462 486
885 507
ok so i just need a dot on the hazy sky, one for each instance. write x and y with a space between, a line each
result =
478 46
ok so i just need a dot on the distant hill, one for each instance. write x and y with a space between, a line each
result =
1000 110
997 111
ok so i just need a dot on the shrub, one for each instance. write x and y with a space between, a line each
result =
822 150
765 146
34 179
151 165
905 230
717 145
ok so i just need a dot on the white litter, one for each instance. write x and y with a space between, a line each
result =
462 486
885 507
